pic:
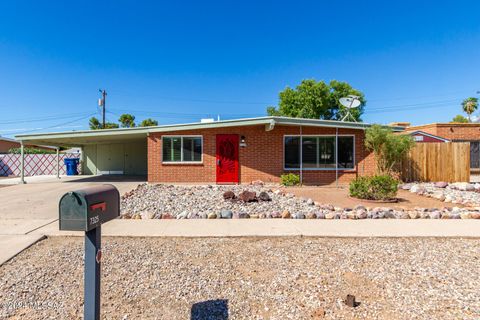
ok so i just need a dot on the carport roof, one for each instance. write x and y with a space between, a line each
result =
85 137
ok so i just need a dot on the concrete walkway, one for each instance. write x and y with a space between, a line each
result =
280 228
14 244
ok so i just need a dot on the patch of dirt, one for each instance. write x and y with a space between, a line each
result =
339 197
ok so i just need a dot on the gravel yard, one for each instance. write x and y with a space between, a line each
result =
250 278
161 201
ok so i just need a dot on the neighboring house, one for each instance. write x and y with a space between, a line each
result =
6 144
455 132
420 136
230 151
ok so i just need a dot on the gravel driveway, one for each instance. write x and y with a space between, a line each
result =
250 278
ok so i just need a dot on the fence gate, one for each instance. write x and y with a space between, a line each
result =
449 162
35 164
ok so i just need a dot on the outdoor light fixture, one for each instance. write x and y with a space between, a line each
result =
243 143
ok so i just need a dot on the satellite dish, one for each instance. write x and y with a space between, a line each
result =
350 102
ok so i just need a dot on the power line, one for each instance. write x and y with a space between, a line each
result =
46 118
54 126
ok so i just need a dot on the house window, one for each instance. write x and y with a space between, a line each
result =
182 149
318 152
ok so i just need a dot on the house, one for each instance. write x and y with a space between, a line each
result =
229 151
423 137
454 132
6 144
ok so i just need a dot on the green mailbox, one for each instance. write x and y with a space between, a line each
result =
87 209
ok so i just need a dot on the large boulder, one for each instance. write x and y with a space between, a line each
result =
248 196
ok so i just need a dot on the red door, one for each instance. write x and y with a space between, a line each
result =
227 158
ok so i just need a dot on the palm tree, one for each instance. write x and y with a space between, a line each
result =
470 105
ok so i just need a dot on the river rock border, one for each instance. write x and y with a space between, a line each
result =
467 194
161 201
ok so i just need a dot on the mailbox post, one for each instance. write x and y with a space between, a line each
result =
86 210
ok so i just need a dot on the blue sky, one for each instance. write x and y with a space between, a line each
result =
180 61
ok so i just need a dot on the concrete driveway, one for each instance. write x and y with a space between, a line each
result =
25 208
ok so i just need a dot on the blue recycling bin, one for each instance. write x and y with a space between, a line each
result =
71 165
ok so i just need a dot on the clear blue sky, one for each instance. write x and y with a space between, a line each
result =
178 61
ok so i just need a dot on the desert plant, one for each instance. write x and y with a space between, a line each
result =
470 105
290 179
380 187
389 148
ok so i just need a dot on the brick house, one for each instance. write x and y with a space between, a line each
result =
455 132
230 151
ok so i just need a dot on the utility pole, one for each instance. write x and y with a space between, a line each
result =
101 103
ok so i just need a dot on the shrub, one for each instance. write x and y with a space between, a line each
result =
290 179
381 187
389 148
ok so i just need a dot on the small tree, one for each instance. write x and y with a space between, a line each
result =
389 148
149 123
127 120
94 124
459 119
470 105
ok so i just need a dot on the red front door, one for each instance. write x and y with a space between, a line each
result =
227 158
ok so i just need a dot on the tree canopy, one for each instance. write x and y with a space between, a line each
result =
317 100
469 106
149 123
459 119
125 121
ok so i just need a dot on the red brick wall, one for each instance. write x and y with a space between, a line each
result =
261 159
7 145
451 131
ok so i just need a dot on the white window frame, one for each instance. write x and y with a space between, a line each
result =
181 149
320 169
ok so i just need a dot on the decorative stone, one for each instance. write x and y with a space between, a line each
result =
248 196
299 216
351 215
286 214
466 215
226 214
311 215
475 215
254 216
310 202
404 215
441 184
435 215
320 215
264 196
414 214
330 215
212 215
182 215
359 207
361 214
148 215
167 216
229 195
243 215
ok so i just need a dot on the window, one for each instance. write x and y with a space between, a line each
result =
182 149
318 152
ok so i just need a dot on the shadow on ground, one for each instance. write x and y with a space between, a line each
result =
111 178
210 310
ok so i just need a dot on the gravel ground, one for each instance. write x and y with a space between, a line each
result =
250 278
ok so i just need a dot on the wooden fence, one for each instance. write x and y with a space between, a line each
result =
448 162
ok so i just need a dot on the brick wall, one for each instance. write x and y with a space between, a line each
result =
451 131
261 159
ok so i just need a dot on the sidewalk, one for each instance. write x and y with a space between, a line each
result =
280 228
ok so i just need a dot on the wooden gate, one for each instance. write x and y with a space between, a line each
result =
448 162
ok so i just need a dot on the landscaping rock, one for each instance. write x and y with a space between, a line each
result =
212 215
299 216
286 214
248 196
311 215
229 195
441 184
226 214
264 196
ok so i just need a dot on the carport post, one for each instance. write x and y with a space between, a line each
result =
58 163
22 164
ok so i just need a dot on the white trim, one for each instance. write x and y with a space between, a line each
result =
320 169
428 135
181 149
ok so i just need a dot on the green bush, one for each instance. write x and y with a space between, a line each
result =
381 187
290 179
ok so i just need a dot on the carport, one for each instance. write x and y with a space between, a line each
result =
104 152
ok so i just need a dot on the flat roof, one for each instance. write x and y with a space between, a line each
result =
84 137
443 124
